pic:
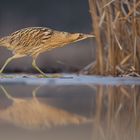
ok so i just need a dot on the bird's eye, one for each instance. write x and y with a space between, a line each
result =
80 36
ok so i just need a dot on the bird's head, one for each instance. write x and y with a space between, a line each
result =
80 36
67 38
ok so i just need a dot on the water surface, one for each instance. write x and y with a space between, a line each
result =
70 110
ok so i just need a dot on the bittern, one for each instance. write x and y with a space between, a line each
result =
33 41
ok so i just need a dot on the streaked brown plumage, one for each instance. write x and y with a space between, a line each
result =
33 41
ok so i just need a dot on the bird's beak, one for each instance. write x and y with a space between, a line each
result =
89 36
85 36
81 36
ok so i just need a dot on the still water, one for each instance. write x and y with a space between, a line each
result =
70 111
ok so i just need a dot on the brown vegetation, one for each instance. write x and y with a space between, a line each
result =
116 25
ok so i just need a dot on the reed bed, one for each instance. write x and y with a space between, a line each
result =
117 113
116 24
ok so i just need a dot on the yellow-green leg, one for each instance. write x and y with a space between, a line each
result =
34 92
9 60
42 73
38 69
7 94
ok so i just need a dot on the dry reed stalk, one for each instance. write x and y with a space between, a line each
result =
116 24
100 50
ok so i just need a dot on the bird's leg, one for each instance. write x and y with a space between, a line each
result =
38 69
9 60
34 92
7 94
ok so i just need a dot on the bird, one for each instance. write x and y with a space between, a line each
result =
32 41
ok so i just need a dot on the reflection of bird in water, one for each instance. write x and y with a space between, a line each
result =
33 41
32 113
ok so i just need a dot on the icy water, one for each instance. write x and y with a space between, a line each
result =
78 108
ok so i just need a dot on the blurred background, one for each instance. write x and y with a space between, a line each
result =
63 15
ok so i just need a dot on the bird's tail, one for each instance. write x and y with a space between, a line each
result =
2 41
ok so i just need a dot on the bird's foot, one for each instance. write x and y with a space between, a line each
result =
54 76
50 76
5 76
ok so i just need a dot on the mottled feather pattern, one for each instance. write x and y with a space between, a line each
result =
29 39
33 41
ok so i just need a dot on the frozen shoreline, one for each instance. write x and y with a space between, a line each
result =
69 79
